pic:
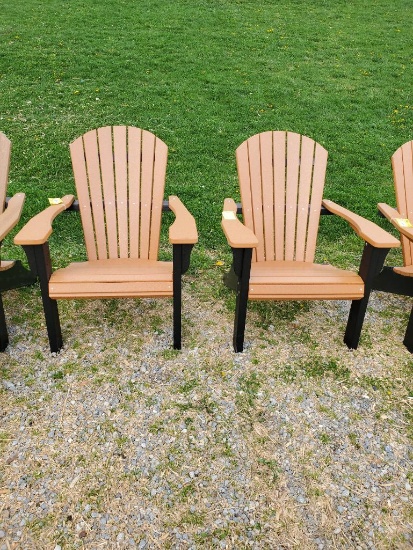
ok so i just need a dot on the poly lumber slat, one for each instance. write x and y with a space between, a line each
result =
302 280
95 189
243 169
293 162
407 270
159 175
151 289
306 292
112 270
5 152
39 228
80 174
267 174
134 169
398 163
319 174
254 159
306 173
108 185
279 159
183 230
121 185
11 216
367 230
148 151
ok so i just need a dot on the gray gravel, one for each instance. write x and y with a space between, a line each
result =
119 442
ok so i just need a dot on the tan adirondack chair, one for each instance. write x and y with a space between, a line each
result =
281 176
398 280
12 273
120 179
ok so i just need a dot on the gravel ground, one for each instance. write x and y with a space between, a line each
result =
120 442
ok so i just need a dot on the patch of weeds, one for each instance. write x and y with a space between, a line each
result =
187 491
288 373
188 386
278 311
319 367
169 354
38 356
193 518
376 384
327 411
354 440
248 392
325 438
272 467
157 427
58 375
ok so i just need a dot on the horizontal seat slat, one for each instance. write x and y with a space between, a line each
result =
112 279
303 281
111 290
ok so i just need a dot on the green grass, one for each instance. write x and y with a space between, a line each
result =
205 76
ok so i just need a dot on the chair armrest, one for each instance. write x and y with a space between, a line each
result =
183 230
402 224
238 236
367 230
39 228
11 216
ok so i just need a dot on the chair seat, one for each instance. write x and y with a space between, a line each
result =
113 278
283 280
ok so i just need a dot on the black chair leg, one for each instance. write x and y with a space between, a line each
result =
4 337
40 263
242 268
371 264
177 296
408 337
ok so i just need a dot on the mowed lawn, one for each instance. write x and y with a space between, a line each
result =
204 76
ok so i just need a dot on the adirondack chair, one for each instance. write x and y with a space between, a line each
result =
120 178
398 280
281 176
12 273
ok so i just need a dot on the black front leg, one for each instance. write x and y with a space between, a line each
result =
181 259
4 337
40 263
241 268
371 264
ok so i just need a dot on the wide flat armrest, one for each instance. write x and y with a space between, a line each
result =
402 224
39 228
367 230
238 236
183 230
11 216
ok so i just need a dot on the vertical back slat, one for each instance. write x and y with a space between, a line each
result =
121 185
95 188
159 173
293 160
134 170
306 173
319 174
254 156
5 152
148 152
243 168
77 153
279 159
402 175
108 185
267 175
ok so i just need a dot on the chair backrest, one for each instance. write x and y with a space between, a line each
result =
281 177
402 163
5 151
120 180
